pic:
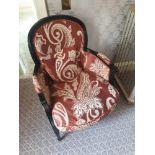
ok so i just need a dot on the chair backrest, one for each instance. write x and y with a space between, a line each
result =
53 33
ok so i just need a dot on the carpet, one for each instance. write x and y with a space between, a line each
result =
114 135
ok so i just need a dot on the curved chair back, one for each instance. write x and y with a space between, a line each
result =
54 33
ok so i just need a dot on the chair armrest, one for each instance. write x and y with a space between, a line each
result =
36 84
42 91
91 63
101 56
42 83
36 80
107 61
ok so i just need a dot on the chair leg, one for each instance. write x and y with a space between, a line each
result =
55 129
50 118
57 132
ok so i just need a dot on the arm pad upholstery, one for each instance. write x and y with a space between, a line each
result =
42 84
107 61
93 64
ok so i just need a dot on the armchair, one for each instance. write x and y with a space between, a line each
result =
72 81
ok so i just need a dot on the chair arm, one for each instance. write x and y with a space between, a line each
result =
101 56
107 61
91 63
42 83
36 84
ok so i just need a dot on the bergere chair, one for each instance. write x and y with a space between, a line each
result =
72 81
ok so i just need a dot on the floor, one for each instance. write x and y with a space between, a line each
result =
114 135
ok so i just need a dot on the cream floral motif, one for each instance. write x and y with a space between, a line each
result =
63 70
58 33
70 72
75 84
48 55
111 90
83 106
80 121
85 100
109 100
72 55
59 52
67 93
60 117
39 41
79 33
100 69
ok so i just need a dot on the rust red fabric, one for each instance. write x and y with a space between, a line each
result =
80 90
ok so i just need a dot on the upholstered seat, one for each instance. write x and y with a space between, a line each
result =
71 81
83 102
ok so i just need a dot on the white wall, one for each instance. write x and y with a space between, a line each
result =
104 20
40 8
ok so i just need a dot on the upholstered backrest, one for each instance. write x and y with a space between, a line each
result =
55 43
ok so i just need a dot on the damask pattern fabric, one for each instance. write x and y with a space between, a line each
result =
95 65
80 92
51 42
83 102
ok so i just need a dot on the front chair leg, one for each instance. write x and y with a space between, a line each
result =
49 116
55 129
57 132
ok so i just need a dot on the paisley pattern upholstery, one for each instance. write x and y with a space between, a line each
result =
51 41
83 102
95 65
74 81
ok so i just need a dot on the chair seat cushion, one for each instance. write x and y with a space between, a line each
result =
82 102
